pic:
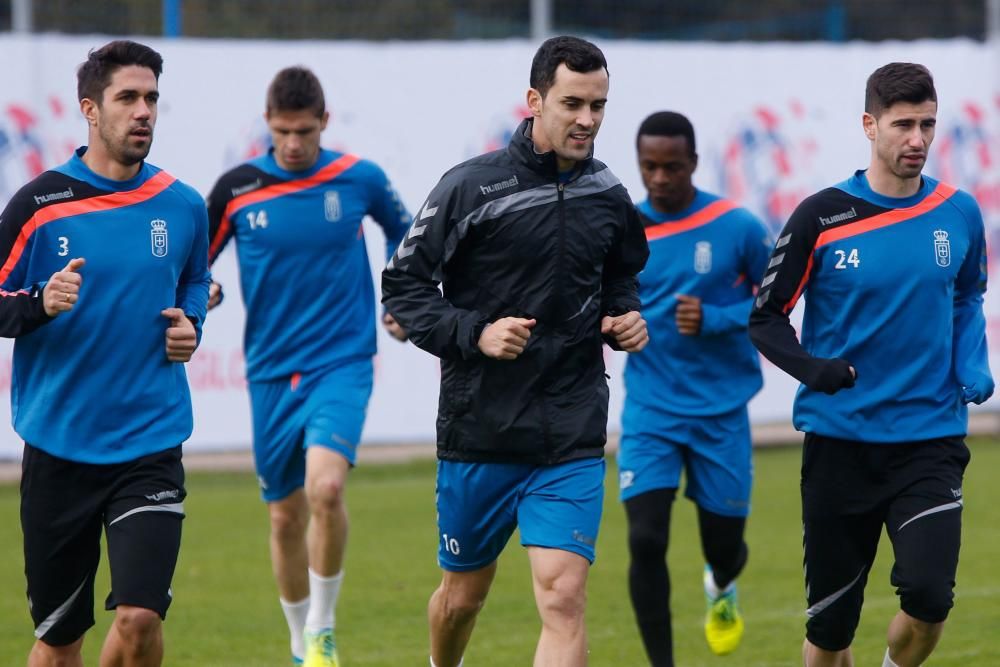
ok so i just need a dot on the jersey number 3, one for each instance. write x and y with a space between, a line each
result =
63 246
844 258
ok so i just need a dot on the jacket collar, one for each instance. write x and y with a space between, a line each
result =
522 148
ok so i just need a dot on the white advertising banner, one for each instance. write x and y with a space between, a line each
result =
774 123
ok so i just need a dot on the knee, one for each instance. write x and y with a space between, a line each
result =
56 656
459 607
647 542
563 598
326 493
138 628
928 605
288 525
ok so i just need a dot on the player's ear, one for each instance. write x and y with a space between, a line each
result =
869 123
90 111
323 120
534 102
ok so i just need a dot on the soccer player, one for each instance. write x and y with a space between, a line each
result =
893 267
687 393
536 247
103 284
296 215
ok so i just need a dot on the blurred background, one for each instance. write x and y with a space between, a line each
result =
716 20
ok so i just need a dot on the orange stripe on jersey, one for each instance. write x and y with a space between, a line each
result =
697 219
940 195
327 173
154 186
802 286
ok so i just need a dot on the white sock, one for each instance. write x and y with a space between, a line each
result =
459 662
888 661
295 615
323 592
713 589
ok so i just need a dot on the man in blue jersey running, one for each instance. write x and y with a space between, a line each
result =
687 393
309 342
893 348
103 284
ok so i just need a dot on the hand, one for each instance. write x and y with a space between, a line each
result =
63 288
506 338
182 338
628 330
214 295
689 315
392 326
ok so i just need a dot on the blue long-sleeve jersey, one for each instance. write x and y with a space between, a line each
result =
94 384
304 269
716 251
893 287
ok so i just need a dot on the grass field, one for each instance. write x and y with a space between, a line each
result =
226 613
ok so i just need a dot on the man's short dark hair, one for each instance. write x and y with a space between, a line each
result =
898 82
94 75
577 54
296 89
668 124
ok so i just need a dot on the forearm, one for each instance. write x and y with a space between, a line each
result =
21 312
775 337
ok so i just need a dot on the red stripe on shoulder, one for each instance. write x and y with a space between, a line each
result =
706 215
940 195
327 173
152 187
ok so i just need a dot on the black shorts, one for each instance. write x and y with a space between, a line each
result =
64 505
850 490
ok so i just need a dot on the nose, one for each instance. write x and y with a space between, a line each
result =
660 177
585 118
143 110
915 138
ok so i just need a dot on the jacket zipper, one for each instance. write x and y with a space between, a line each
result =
560 268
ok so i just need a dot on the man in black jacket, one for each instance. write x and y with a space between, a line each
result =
536 248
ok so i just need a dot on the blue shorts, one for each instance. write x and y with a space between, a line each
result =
480 504
715 451
323 408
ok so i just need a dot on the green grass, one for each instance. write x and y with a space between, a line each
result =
226 612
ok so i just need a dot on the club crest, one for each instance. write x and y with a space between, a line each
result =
702 257
942 248
158 237
331 205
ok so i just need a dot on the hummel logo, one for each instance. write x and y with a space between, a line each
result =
162 495
54 196
243 189
497 187
840 217
957 493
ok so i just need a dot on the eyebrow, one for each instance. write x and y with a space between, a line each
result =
574 98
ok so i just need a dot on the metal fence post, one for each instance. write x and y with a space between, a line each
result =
172 18
22 16
541 19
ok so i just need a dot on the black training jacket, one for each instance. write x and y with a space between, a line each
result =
503 238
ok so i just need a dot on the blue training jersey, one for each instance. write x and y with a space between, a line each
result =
94 384
894 287
716 251
304 270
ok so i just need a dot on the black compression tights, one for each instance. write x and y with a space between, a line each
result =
649 580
